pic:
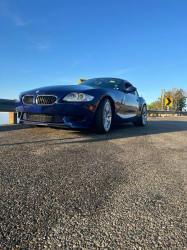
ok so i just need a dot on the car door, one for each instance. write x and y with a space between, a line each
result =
130 104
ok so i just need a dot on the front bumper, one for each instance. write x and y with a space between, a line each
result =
72 115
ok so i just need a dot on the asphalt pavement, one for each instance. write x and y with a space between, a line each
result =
73 189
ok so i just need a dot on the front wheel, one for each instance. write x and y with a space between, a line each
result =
143 118
103 117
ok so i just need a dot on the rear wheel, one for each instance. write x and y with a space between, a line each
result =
143 118
103 117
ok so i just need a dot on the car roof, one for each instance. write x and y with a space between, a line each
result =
109 77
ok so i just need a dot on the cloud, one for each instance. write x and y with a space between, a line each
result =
65 80
121 71
36 44
4 11
83 60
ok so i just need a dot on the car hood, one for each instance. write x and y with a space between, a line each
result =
58 89
63 90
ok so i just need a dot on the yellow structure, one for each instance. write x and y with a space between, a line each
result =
82 80
12 118
168 101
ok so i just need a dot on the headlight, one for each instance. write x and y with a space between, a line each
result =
78 97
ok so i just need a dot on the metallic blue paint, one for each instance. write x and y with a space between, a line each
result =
124 105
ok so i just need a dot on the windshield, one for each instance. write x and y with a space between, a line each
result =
109 83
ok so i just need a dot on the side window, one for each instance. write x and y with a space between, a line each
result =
126 86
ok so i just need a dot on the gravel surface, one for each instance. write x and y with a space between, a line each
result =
66 189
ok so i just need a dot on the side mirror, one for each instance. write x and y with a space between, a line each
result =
130 89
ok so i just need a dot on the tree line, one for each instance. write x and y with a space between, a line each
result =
179 100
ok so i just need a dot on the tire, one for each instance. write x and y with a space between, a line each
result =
143 118
103 117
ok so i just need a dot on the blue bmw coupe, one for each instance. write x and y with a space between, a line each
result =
96 103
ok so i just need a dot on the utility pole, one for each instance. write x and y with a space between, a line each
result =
162 98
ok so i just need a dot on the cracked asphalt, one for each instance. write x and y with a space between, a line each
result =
72 189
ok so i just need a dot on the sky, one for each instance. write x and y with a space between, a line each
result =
45 43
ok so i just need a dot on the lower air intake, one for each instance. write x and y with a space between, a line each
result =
42 118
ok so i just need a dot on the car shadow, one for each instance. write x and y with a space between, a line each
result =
117 132
11 127
129 130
